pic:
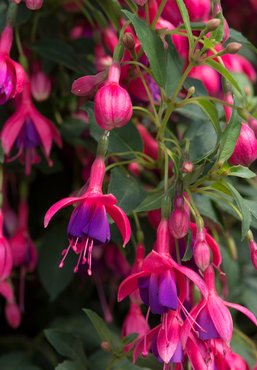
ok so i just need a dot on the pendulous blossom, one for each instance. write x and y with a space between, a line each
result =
88 225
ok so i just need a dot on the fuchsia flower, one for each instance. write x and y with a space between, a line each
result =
245 151
6 260
113 106
212 315
12 75
88 85
179 220
253 252
158 278
40 85
88 225
26 130
208 76
150 144
201 251
34 4
12 311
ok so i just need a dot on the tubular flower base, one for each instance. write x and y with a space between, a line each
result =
88 224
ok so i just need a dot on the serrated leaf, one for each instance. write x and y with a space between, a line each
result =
186 20
103 331
152 46
225 73
129 192
67 345
229 136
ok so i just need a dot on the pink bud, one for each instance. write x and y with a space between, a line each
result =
34 4
134 322
252 122
228 98
179 220
140 2
253 252
245 151
154 218
13 315
113 106
201 251
40 85
87 86
135 169
217 9
188 167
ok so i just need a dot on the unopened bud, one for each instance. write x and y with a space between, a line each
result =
187 167
179 220
140 2
213 24
190 91
129 41
233 48
253 252
106 346
201 251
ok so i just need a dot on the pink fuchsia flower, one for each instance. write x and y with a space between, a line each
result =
150 144
88 225
253 252
158 278
113 106
140 2
179 220
40 85
245 151
225 359
208 76
228 98
88 85
26 130
201 251
213 318
13 315
238 63
12 75
6 260
34 4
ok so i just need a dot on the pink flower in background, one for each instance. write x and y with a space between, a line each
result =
245 151
34 4
40 85
12 75
6 260
26 131
88 225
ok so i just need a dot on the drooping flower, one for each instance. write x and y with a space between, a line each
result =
6 260
113 106
87 86
12 75
245 151
26 130
179 220
34 4
88 225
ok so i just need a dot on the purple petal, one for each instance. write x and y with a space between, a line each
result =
205 321
99 228
154 300
168 291
28 136
143 285
178 355
79 221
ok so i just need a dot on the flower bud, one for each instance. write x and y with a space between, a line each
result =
179 219
113 106
233 48
201 251
140 2
253 252
34 4
13 315
213 24
252 122
188 167
87 85
245 151
40 86
129 41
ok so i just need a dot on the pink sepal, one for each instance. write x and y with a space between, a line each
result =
122 222
141 345
20 78
11 130
6 291
168 337
129 285
221 317
242 309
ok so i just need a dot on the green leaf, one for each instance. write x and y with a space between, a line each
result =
112 9
210 110
218 34
1 153
241 171
103 331
67 345
188 252
152 201
152 46
125 139
57 51
16 360
243 345
225 73
238 37
3 10
70 365
241 204
71 131
229 136
129 192
186 20
53 279
174 69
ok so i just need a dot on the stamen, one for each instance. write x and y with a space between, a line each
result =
64 254
145 351
187 314
84 260
76 268
90 249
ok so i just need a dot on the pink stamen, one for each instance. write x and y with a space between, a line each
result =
76 268
90 249
84 260
145 351
187 314
64 254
